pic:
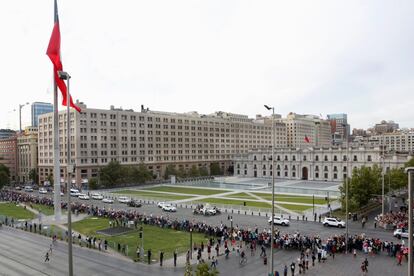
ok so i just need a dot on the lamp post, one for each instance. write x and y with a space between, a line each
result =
273 188
383 184
231 222
191 243
20 115
69 168
410 221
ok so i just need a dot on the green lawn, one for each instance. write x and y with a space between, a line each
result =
292 198
155 238
185 190
17 212
46 210
296 208
242 196
150 194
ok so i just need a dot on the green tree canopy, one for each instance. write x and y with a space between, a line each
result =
194 172
215 169
33 175
204 270
170 170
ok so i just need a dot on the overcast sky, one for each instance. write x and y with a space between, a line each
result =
313 57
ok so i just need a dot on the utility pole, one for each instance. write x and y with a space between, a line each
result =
410 221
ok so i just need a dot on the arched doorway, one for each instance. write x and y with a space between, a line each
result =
304 173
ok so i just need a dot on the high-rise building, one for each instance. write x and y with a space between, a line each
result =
307 131
8 155
154 138
6 133
27 153
340 129
39 108
385 127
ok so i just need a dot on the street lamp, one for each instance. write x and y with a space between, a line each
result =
20 115
69 168
383 175
273 187
410 221
346 193
409 171
191 242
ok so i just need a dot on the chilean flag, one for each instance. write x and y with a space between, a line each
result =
53 52
307 140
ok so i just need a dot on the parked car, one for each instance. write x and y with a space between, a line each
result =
107 200
279 221
42 191
160 204
134 203
169 208
18 188
333 222
97 196
206 210
83 196
123 199
28 189
74 192
401 233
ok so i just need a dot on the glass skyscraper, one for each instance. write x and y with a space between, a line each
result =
39 108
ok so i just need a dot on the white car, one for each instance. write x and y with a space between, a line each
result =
279 221
401 233
209 211
107 200
161 204
123 199
42 191
83 196
97 196
28 189
333 222
169 208
74 192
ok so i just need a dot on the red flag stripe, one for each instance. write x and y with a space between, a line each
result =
53 51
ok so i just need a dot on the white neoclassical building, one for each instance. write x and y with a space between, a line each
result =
321 164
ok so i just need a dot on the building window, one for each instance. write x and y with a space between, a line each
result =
238 171
245 172
326 175
304 158
326 157
293 174
335 158
254 158
317 158
316 175
369 158
344 158
355 158
335 176
278 174
264 157
264 173
294 157
278 158
286 174
286 158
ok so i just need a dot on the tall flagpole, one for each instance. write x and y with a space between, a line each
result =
56 150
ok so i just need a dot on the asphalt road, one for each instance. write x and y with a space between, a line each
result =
22 254
249 221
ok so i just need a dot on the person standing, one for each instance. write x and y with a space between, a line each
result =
149 256
285 270
161 257
292 268
175 258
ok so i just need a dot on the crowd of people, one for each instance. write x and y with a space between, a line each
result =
395 219
311 247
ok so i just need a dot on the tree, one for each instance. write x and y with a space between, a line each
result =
93 183
194 172
170 170
50 179
410 163
188 269
364 184
215 169
203 171
111 174
181 172
204 270
4 175
33 175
